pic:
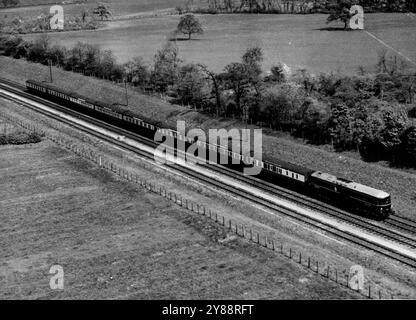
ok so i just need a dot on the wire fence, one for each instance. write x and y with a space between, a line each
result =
323 268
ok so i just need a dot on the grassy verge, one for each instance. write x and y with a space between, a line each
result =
399 183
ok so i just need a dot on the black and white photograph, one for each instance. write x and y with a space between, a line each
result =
208 155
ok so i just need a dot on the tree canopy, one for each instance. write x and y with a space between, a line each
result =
9 3
103 11
341 11
189 25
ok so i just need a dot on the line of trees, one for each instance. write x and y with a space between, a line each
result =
369 112
9 3
291 6
16 24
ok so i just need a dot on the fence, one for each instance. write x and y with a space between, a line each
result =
323 269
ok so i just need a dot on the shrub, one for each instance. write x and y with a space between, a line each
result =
20 138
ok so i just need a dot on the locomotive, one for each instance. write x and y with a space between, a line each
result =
341 192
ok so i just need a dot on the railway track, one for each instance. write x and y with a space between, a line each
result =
379 229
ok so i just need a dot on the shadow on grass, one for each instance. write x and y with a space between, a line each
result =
333 29
183 39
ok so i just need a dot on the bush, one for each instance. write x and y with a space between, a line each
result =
18 138
14 46
412 112
39 50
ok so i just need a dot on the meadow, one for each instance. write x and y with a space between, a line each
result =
118 8
299 41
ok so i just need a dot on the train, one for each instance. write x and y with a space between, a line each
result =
343 193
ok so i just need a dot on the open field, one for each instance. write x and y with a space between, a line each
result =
296 40
116 241
118 8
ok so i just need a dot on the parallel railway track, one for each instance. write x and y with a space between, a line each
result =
377 228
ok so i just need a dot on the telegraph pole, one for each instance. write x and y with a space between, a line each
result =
50 69
125 86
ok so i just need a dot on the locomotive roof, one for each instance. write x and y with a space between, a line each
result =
351 185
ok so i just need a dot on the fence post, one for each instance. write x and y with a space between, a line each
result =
379 294
258 237
309 262
317 266
327 272
300 257
336 275
369 291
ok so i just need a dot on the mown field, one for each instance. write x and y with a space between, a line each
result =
118 8
296 40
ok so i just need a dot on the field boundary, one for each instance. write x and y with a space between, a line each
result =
321 268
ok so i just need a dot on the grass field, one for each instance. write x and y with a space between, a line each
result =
296 40
300 41
118 8
116 241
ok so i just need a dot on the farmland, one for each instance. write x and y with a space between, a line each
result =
118 241
118 8
296 40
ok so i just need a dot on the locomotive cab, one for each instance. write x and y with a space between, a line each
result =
358 197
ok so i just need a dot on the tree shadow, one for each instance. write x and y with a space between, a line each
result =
333 29
183 39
